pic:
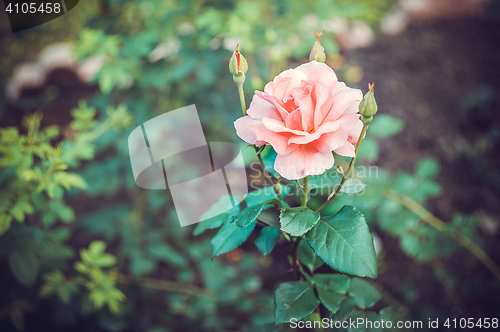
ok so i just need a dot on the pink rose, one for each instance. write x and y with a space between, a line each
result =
304 113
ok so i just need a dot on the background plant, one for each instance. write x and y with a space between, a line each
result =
166 274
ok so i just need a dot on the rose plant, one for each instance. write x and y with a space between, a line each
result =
306 115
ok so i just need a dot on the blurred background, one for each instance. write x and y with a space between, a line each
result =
84 249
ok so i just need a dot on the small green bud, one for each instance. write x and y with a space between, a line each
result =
238 64
368 106
317 52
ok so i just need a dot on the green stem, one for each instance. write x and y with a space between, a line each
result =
296 263
242 98
441 226
306 191
348 172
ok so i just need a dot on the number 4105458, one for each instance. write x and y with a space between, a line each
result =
470 323
32 8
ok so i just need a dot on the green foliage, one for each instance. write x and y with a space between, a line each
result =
229 237
340 295
364 294
248 215
267 239
332 289
298 221
384 126
170 55
344 242
294 299
24 265
99 284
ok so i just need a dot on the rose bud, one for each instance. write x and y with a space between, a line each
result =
317 52
238 65
368 106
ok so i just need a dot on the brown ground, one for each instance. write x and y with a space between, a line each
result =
423 76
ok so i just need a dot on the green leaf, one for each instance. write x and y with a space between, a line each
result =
211 223
68 180
248 215
260 196
338 283
344 242
141 265
427 168
384 126
345 310
5 221
332 289
294 299
267 239
18 213
330 299
24 266
368 150
353 186
364 294
96 248
308 258
218 220
168 254
105 260
298 221
229 237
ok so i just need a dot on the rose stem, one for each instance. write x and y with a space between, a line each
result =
306 190
242 98
346 174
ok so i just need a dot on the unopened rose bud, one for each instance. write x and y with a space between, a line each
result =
238 65
368 106
317 52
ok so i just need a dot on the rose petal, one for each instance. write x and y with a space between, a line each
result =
303 161
343 98
279 141
355 132
346 150
279 127
325 128
261 108
331 141
294 120
244 129
282 111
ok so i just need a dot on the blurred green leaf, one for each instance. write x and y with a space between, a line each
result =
385 126
24 265
353 186
427 168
